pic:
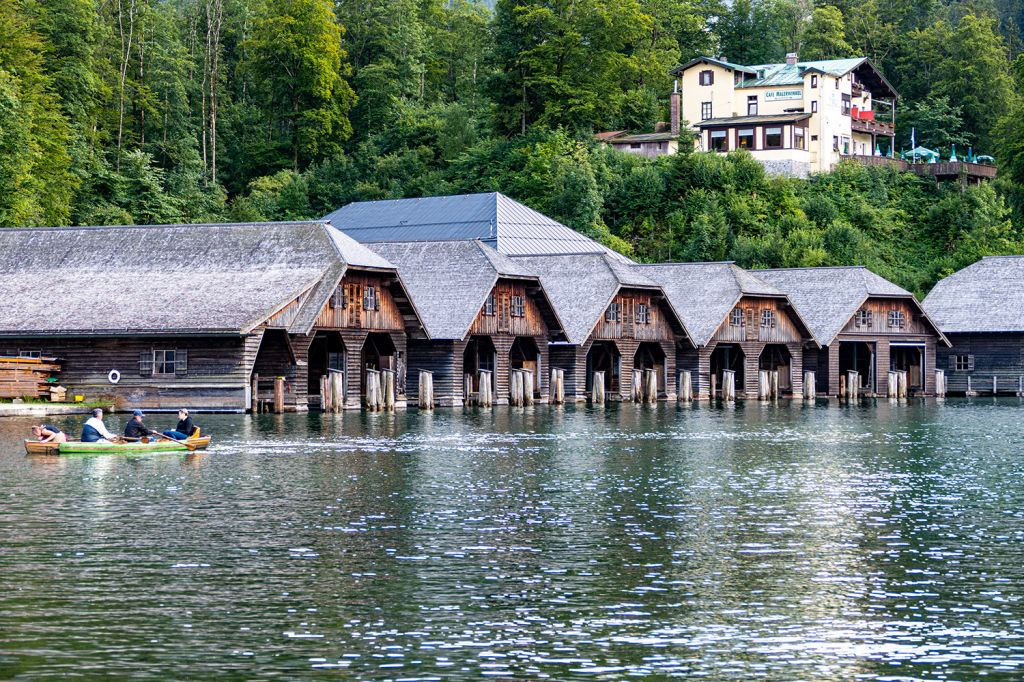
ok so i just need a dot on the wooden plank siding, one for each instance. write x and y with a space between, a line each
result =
988 354
351 314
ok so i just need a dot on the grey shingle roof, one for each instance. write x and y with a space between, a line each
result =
704 293
985 297
580 287
828 297
449 280
168 279
502 223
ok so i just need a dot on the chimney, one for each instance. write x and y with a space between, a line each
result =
675 105
792 58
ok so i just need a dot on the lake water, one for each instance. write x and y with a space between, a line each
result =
756 542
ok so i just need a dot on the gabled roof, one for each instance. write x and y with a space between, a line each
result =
711 60
581 286
170 279
704 293
448 281
828 297
987 296
751 120
502 223
793 74
643 137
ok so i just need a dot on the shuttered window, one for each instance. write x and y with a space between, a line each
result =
180 362
707 77
370 300
896 319
863 318
643 314
146 363
340 298
613 313
961 363
736 317
164 362
767 318
490 308
518 306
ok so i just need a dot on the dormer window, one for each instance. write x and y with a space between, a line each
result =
814 80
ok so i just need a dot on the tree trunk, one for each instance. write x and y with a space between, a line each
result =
125 55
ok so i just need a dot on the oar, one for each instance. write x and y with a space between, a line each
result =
188 445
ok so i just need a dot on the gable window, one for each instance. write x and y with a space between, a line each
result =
751 105
370 300
736 317
719 141
707 77
613 313
518 305
814 80
814 106
846 105
896 319
340 298
863 318
962 363
799 138
643 314
767 318
837 84
490 308
745 138
705 111
773 138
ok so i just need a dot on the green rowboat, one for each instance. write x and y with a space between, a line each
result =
140 448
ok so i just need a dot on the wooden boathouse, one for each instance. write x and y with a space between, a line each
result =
979 310
865 325
738 324
161 317
618 325
485 318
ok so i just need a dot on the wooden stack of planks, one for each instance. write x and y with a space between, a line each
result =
26 377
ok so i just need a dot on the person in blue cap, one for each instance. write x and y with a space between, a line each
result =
135 428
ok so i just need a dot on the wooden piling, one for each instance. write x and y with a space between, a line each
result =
426 390
729 385
650 386
336 390
842 387
373 399
852 386
527 387
556 389
255 393
486 394
637 393
685 386
597 389
810 386
763 387
775 384
995 385
714 389
903 389
892 389
940 383
278 395
515 391
388 388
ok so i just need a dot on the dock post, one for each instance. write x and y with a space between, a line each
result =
940 383
559 386
970 391
714 389
527 387
810 387
904 389
278 395
486 395
650 387
1020 386
852 386
325 396
763 385
515 388
775 384
389 389
729 385
842 388
336 390
636 392
893 387
373 390
995 385
254 397
426 390
597 390
467 394
686 386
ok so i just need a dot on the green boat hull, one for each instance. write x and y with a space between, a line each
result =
120 448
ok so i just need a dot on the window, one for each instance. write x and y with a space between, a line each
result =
613 313
846 105
751 105
33 354
745 138
705 111
634 145
962 363
767 318
798 138
814 106
166 363
837 84
773 138
814 80
340 298
643 314
370 300
518 306
814 138
863 318
846 145
736 317
835 143
896 319
707 77
719 141
490 308
336 361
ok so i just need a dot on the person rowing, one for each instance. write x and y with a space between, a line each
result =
135 429
46 433
95 431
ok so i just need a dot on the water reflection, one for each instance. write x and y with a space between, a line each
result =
780 542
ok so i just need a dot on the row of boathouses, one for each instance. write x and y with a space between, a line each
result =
478 298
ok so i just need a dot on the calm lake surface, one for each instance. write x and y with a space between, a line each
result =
781 542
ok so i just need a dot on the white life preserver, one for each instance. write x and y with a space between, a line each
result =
114 376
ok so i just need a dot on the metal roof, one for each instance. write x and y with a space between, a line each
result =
500 222
752 120
711 60
985 297
793 74
643 137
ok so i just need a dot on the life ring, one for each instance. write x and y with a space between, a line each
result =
114 376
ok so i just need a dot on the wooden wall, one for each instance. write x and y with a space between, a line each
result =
502 322
914 325
993 354
573 359
386 318
658 328
784 331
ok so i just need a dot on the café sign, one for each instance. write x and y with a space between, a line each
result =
773 95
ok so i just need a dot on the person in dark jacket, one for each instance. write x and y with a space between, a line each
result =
184 428
135 428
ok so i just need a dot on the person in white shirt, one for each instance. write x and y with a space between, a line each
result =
95 431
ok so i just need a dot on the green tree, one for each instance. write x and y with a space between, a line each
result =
825 35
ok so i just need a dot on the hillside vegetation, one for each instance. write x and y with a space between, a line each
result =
154 111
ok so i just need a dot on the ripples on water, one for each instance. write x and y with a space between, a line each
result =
756 542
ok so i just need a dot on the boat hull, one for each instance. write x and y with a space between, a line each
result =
80 448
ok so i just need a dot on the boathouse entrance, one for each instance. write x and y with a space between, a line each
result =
651 356
479 356
525 355
728 356
604 357
776 358
326 354
909 358
378 354
857 356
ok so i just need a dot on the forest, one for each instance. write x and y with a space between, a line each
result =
163 111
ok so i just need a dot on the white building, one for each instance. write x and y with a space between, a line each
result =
795 118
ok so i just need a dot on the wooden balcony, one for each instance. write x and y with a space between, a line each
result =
866 160
955 170
883 128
